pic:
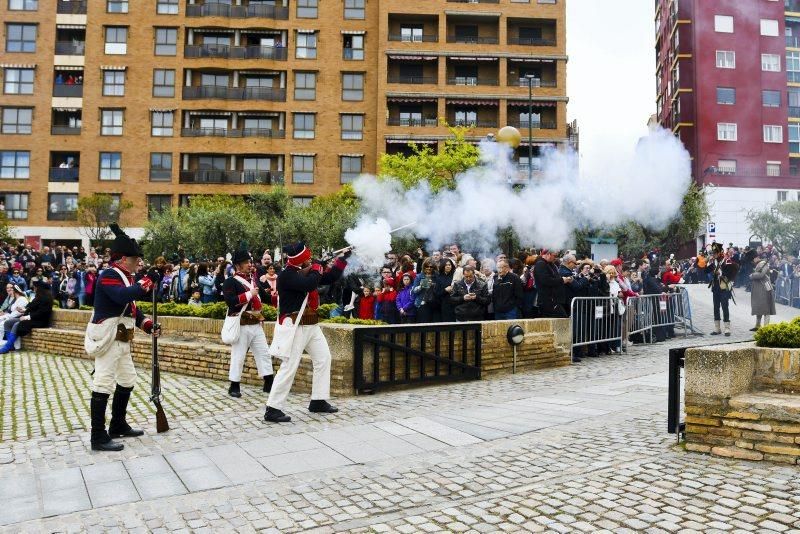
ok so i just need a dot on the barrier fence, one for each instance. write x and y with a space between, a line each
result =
787 291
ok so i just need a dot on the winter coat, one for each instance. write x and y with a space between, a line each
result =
40 311
507 292
207 284
387 310
470 310
762 302
405 303
422 294
551 291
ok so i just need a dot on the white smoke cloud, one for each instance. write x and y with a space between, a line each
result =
646 186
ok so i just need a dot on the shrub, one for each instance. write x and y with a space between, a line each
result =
780 335
212 310
345 320
325 310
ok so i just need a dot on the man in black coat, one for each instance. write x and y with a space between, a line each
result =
550 286
37 315
506 293
470 297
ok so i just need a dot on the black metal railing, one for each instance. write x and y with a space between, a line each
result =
536 125
471 39
72 90
234 93
472 80
792 5
397 355
531 41
415 80
68 215
475 1
230 177
237 12
61 174
794 111
65 130
70 48
424 38
161 174
429 123
227 132
677 361
474 124
793 41
523 82
71 7
278 53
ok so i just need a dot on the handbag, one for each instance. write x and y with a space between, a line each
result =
232 325
283 335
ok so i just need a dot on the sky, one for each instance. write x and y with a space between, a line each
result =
610 75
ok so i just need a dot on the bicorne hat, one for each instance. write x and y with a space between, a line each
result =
240 254
124 245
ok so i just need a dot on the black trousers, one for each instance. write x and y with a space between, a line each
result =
721 300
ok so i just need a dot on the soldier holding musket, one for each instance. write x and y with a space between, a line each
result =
723 271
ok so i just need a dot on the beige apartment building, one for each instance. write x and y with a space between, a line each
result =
160 100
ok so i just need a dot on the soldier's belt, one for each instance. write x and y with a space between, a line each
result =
124 334
248 318
310 317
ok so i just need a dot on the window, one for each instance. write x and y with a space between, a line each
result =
794 138
726 166
350 168
726 95
771 99
23 5
113 83
305 85
110 165
726 59
726 131
304 125
167 7
164 82
353 47
111 121
15 165
306 47
166 41
117 6
783 196
354 9
62 206
161 123
20 37
352 86
770 62
773 168
773 133
18 81
793 99
723 23
16 205
302 201
307 9
769 28
160 166
411 33
303 169
793 66
17 121
116 40
469 117
158 203
352 127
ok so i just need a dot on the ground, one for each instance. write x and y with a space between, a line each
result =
574 449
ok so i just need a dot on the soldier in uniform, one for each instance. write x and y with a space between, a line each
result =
115 299
301 277
241 290
723 274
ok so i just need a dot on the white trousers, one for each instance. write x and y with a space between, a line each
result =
308 339
251 337
114 367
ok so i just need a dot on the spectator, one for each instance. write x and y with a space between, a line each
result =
366 304
195 299
507 295
470 297
444 288
762 293
529 309
179 291
550 285
424 291
387 307
405 300
14 304
18 280
37 315
79 288
206 281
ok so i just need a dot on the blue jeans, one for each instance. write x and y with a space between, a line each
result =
338 311
205 299
511 314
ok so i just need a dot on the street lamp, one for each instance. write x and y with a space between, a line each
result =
515 336
530 78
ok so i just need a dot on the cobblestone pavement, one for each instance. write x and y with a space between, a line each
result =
575 449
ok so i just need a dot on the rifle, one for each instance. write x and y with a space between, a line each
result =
155 392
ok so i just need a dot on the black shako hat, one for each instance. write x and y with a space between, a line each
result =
123 244
240 254
297 253
716 248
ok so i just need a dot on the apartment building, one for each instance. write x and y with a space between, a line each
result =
156 101
728 85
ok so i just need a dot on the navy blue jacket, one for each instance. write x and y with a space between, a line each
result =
111 296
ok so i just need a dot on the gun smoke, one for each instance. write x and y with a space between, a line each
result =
646 186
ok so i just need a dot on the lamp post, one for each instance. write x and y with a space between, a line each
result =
530 78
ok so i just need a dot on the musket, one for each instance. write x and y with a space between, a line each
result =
331 255
155 392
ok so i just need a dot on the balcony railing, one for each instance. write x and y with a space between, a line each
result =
353 54
236 52
68 215
59 174
234 93
531 41
794 111
472 80
65 130
70 48
74 90
237 12
536 125
424 38
231 177
71 7
475 1
523 82
427 123
475 124
792 5
225 132
161 174
471 39
793 41
793 76
415 80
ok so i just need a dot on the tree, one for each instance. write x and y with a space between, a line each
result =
780 225
6 234
164 233
97 211
215 225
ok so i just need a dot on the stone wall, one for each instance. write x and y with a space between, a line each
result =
741 402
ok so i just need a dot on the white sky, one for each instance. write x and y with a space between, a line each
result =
611 75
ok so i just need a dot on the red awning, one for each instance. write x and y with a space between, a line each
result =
536 103
462 58
410 99
473 102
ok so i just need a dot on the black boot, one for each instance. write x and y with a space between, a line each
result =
268 383
101 441
274 415
118 427
234 391
321 406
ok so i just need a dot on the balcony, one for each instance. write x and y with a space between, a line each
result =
413 123
70 48
234 93
420 38
472 80
279 53
472 39
63 174
71 91
474 1
160 174
231 177
537 82
535 125
794 112
68 215
414 80
237 12
531 41
490 123
65 130
792 5
793 76
225 132
792 41
71 7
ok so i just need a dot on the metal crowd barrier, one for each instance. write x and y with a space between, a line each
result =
787 290
596 320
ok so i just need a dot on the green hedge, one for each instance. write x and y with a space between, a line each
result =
780 335
345 320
